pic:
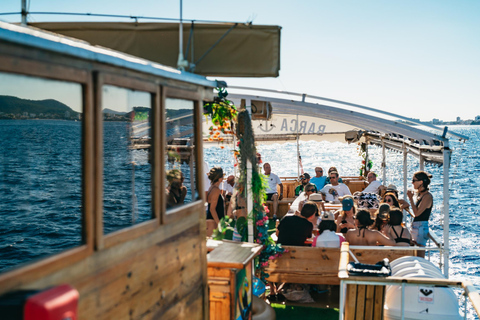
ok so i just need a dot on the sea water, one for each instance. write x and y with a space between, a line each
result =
61 227
464 185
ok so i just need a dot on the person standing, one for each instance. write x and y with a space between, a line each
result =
422 208
272 180
319 180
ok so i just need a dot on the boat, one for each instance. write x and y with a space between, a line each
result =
136 258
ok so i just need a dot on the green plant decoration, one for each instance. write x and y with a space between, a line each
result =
223 114
367 164
246 151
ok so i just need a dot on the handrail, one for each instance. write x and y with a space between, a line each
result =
473 295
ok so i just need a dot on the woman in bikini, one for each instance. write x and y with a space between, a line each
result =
364 236
399 234
345 217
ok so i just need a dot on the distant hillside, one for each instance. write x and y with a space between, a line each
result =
10 104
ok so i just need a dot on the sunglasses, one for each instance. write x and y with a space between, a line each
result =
318 171
415 180
333 177
310 190
388 200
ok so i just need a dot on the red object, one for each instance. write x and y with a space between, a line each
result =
59 303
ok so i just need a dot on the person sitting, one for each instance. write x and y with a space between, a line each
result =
398 233
272 180
310 195
304 179
364 236
402 203
294 230
345 217
373 184
327 181
176 191
327 238
382 218
391 199
319 180
332 191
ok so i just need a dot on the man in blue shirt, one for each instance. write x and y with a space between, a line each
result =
319 180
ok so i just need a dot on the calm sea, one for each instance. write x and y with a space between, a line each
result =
45 213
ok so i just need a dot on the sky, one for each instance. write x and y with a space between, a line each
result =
417 58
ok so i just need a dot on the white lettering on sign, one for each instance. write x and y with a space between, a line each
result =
302 127
426 294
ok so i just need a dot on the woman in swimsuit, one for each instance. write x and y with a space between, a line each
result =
399 234
364 236
421 208
345 217
216 204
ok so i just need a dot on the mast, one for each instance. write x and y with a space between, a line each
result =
24 12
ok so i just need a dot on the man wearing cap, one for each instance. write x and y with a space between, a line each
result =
319 180
373 184
304 179
335 189
327 238
272 180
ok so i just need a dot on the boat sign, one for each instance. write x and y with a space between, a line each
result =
426 294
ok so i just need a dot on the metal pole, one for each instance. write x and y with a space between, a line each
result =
446 206
405 172
181 60
298 150
384 164
24 12
403 300
342 301
422 162
249 200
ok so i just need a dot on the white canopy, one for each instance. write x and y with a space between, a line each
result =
306 118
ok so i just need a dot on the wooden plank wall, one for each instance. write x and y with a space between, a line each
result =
156 276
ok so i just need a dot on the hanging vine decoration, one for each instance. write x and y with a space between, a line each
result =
247 151
367 164
223 114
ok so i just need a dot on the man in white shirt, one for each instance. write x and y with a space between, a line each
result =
272 180
227 187
373 184
332 191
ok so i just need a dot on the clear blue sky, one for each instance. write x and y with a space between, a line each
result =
419 58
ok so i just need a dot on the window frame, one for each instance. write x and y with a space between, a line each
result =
34 67
177 214
104 241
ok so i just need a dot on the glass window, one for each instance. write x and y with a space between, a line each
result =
127 170
40 168
179 156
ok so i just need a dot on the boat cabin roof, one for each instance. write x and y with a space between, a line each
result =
53 42
285 116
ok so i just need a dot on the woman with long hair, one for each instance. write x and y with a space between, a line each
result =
391 199
398 233
345 217
363 235
216 203
422 207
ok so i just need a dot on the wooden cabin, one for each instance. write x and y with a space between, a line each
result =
128 256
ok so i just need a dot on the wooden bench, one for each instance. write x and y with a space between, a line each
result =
320 265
